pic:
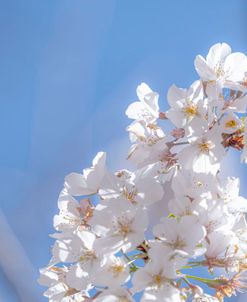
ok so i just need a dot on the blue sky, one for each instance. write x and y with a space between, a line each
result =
69 69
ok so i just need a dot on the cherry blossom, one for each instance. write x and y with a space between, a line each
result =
203 154
156 278
147 109
221 67
143 231
73 214
88 182
188 108
176 235
120 225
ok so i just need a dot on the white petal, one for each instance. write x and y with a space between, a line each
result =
202 68
77 278
174 95
218 53
142 90
76 185
135 110
236 66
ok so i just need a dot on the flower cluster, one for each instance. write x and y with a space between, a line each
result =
138 232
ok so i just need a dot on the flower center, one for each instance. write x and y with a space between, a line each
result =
177 244
122 225
219 70
117 269
231 124
129 193
205 146
88 255
124 228
199 184
190 110
158 279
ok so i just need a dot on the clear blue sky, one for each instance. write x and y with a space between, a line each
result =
68 70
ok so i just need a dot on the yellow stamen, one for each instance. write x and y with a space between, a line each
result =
178 244
70 292
158 279
130 193
88 255
124 228
199 183
218 69
190 110
219 72
117 269
231 124
204 147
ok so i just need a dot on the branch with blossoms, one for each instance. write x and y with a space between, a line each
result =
129 232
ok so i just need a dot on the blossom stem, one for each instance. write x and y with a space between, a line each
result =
180 143
186 281
196 263
207 281
133 267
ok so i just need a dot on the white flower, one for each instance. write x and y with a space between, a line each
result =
141 230
158 210
230 123
164 170
240 229
214 215
62 293
237 206
239 87
221 67
238 104
176 235
228 189
120 224
184 205
79 279
220 242
73 215
59 290
76 248
52 275
155 278
114 272
149 144
147 109
87 183
229 192
188 108
204 153
139 187
194 185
